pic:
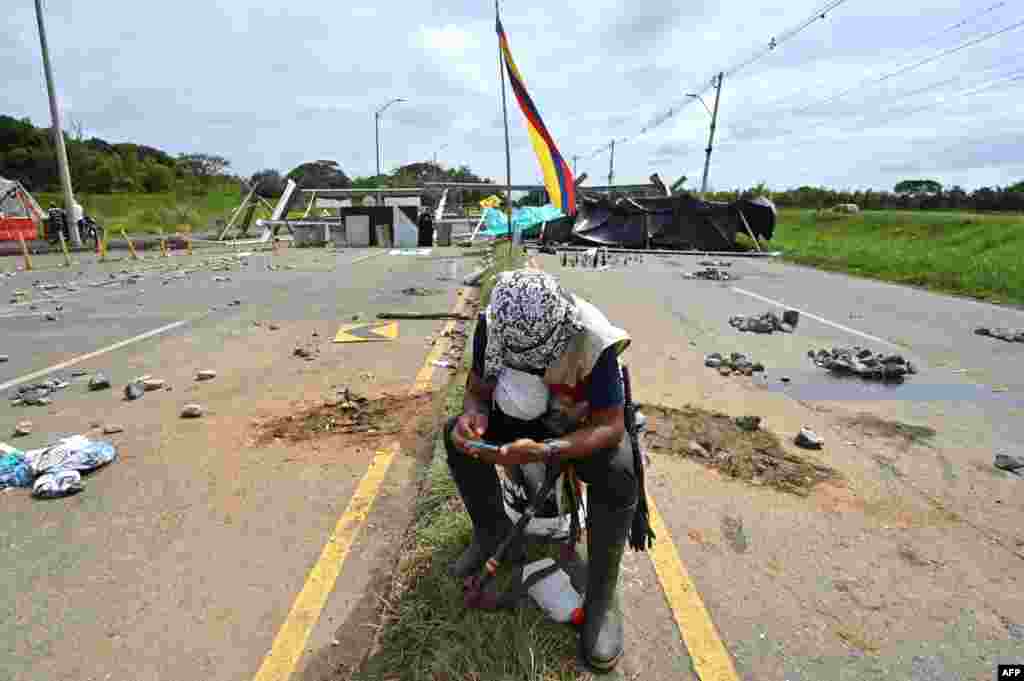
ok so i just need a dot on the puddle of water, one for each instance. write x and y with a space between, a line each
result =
828 388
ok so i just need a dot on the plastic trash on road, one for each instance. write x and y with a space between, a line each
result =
77 453
61 483
14 468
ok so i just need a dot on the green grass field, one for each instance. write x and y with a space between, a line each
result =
149 213
978 255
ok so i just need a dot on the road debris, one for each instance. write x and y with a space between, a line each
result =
191 411
748 423
864 363
307 353
708 274
754 456
15 470
424 315
112 429
1008 335
273 327
1009 463
808 439
420 291
206 375
769 322
23 428
62 483
348 414
736 362
151 384
99 382
5 358
134 390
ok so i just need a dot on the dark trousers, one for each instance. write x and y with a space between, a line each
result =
609 473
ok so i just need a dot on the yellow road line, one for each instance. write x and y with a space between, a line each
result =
711 659
291 639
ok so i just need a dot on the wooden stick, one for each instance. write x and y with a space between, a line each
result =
424 315
131 246
64 247
749 231
163 243
102 245
24 251
188 238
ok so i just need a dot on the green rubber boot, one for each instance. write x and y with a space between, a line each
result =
602 637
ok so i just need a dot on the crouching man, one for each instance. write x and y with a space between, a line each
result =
538 350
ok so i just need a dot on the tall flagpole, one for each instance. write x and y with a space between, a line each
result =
504 111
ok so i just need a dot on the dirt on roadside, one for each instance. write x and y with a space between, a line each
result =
715 440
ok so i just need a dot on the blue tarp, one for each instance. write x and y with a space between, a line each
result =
526 220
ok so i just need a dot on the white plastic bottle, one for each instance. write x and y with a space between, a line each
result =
555 594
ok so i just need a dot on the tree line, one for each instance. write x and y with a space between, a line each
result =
907 194
27 154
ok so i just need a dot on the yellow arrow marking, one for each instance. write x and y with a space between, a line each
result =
367 331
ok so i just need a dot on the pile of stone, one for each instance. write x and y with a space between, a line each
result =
708 274
37 394
736 363
1008 335
769 322
864 363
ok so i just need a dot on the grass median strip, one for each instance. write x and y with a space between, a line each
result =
427 633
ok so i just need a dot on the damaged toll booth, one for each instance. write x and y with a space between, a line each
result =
361 218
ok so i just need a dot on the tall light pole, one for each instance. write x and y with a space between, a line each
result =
376 117
58 133
711 135
440 149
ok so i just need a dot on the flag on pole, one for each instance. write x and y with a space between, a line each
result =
557 176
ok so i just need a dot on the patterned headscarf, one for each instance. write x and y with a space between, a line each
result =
530 321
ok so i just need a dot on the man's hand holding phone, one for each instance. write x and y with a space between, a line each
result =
469 428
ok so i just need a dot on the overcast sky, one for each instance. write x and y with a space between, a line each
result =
273 86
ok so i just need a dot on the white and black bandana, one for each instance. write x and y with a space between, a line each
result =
530 321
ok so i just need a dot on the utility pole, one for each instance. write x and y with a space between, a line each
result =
376 120
58 134
711 136
611 167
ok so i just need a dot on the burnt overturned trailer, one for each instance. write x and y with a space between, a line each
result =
681 221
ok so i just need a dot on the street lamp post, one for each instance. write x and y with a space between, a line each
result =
711 135
58 134
376 117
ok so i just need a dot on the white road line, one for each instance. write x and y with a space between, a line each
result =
366 257
90 355
817 318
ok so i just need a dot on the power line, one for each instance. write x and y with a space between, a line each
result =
949 29
915 65
772 45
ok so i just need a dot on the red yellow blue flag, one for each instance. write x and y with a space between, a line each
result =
557 176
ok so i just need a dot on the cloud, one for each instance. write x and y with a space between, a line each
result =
449 40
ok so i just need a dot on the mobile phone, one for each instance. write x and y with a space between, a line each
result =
480 444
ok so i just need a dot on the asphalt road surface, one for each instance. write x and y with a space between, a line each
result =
911 567
182 559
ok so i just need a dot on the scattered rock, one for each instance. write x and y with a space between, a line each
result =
711 273
784 379
305 353
419 291
725 371
864 363
273 327
1009 463
4 358
713 362
355 318
791 317
1008 335
206 375
23 428
99 382
134 390
808 439
235 303
78 373
191 411
766 323
748 423
112 429
153 384
222 278
695 448
51 317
